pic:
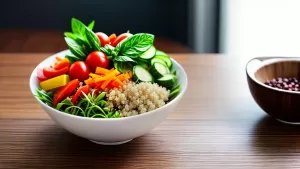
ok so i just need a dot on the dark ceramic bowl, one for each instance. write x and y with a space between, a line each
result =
283 105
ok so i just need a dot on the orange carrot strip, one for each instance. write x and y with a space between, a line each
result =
93 75
103 86
118 81
121 77
101 71
89 81
58 58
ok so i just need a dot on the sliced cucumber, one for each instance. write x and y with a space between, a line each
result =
167 81
166 59
123 67
150 53
174 72
174 92
153 60
158 70
160 53
141 74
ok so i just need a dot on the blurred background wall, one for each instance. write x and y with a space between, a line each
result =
233 27
180 25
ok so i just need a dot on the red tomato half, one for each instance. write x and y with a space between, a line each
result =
104 39
120 38
79 70
40 74
50 72
97 59
85 89
64 91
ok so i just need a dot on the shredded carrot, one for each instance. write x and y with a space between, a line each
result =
103 86
118 81
88 81
58 58
93 75
102 71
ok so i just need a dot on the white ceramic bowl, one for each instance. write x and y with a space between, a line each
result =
109 131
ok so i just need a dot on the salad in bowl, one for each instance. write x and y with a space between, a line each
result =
102 82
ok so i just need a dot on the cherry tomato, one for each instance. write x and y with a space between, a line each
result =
120 38
112 38
85 89
40 74
50 72
79 70
64 91
97 59
104 39
61 64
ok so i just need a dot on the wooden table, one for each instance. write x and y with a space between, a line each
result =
216 125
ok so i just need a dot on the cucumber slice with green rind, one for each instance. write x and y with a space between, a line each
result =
168 81
150 53
174 92
174 72
160 53
141 74
153 60
158 70
166 59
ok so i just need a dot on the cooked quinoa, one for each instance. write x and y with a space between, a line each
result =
132 99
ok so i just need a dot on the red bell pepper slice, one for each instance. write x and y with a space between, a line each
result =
64 91
61 64
50 73
85 89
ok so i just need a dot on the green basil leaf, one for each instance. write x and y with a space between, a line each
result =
123 67
72 58
107 49
84 44
70 35
124 59
91 25
75 48
92 39
135 45
78 27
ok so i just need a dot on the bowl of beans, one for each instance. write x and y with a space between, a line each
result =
274 83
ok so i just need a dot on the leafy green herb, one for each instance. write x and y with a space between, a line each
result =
70 35
91 25
75 48
44 96
123 67
92 39
135 45
78 27
89 106
124 59
72 58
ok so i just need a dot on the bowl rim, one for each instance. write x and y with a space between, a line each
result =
268 60
183 91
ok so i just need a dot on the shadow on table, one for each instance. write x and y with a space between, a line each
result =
271 136
59 148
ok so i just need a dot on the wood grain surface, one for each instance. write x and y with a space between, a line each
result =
216 125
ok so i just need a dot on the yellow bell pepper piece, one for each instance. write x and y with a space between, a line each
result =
54 82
